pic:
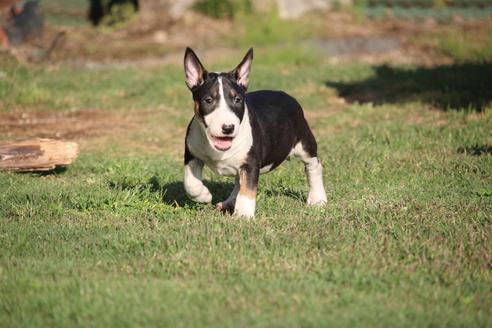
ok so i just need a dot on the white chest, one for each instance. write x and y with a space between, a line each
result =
229 167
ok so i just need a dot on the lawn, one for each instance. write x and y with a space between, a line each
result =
405 239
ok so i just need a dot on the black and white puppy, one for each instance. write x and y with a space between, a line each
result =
242 135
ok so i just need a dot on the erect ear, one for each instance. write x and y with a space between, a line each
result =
194 70
241 72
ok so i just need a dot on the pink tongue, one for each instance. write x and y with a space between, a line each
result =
222 143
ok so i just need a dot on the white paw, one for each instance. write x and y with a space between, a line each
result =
316 199
245 207
204 196
244 214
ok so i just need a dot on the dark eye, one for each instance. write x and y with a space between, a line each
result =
237 100
208 100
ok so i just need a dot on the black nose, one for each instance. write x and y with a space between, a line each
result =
227 128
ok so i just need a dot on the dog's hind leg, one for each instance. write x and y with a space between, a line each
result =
228 204
306 150
194 187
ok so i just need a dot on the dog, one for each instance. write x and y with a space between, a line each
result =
243 135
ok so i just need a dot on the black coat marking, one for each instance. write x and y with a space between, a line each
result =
278 124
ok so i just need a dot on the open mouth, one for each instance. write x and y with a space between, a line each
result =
222 143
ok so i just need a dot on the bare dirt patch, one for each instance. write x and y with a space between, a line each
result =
66 125
133 42
133 132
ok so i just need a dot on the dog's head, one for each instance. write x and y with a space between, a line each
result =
219 98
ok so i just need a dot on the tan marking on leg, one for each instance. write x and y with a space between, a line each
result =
244 189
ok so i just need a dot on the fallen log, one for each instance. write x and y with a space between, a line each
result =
36 154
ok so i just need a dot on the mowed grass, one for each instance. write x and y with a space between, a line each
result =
405 239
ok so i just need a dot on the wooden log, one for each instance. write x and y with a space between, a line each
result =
36 154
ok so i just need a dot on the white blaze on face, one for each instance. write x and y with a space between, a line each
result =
220 116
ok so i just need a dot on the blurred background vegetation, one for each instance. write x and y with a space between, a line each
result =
446 25
121 10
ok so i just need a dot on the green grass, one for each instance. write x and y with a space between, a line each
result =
113 241
68 13
461 48
223 8
269 29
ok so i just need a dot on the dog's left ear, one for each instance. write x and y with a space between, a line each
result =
241 72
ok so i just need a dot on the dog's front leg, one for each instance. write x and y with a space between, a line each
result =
195 189
227 206
248 184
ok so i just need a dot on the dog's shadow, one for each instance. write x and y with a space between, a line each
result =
476 150
287 192
174 194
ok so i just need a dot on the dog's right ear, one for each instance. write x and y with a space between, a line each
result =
194 70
